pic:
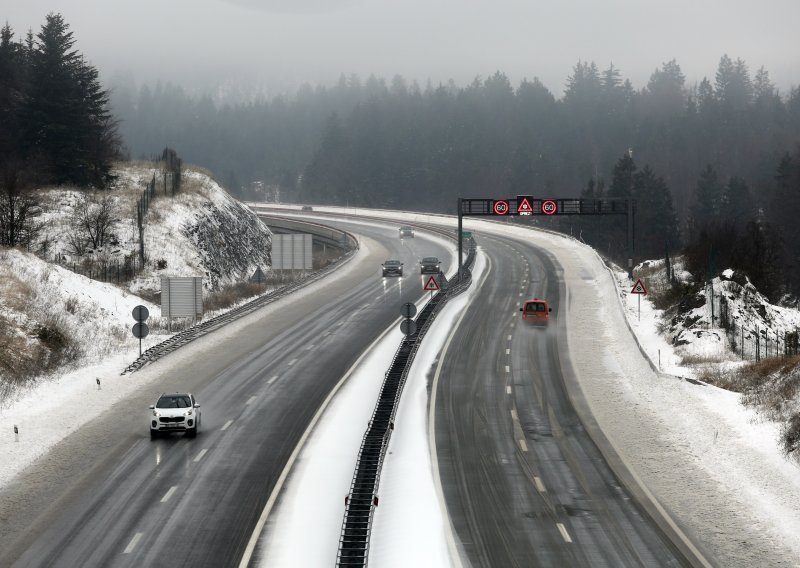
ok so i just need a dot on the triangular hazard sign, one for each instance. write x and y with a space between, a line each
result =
431 285
639 288
524 207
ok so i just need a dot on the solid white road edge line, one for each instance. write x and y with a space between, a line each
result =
201 454
227 424
451 542
168 494
251 544
132 544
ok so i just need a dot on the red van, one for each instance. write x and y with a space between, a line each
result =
536 310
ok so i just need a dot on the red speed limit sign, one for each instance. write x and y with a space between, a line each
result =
500 207
549 207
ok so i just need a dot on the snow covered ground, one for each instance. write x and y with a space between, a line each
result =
713 464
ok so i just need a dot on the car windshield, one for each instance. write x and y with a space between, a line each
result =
535 307
177 401
430 259
392 262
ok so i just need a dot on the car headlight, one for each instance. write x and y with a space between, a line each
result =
155 414
188 413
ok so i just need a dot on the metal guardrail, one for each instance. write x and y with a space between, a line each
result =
187 336
360 503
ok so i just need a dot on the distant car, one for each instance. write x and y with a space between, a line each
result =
392 268
176 412
306 208
429 265
406 232
536 311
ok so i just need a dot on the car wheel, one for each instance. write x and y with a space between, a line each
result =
153 434
191 433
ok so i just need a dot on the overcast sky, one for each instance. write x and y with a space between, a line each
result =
282 43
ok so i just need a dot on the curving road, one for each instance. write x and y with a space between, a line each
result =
109 496
523 482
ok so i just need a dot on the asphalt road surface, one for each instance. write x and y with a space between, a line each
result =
108 496
523 482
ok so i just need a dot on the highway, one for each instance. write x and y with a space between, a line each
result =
523 482
108 496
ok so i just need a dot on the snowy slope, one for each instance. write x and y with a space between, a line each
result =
53 320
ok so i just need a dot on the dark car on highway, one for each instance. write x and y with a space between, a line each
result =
392 268
429 265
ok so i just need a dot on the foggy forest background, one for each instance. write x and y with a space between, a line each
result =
714 166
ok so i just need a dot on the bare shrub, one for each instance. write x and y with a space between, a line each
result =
71 304
232 294
790 433
17 293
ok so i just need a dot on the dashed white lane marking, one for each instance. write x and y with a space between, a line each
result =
509 338
563 532
508 369
539 485
508 390
513 415
512 323
520 294
132 544
201 454
522 445
508 351
227 424
272 380
168 494
310 347
292 362
251 399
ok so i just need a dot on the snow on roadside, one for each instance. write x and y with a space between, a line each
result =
715 465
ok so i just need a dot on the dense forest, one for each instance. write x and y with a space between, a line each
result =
707 163
714 167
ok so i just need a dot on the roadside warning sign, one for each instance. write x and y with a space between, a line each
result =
639 288
524 206
431 285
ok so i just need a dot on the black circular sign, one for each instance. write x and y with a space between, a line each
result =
549 207
140 313
140 330
408 327
408 310
500 207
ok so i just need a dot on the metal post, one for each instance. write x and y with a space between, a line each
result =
630 238
460 243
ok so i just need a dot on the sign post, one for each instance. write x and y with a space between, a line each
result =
408 326
431 285
140 329
640 291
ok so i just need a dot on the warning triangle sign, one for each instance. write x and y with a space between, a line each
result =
524 207
431 285
639 288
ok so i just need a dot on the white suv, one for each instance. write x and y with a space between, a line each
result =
177 412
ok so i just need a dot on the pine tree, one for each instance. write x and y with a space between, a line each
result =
737 206
656 222
66 123
707 200
622 177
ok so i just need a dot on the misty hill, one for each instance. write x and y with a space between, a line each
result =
53 315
